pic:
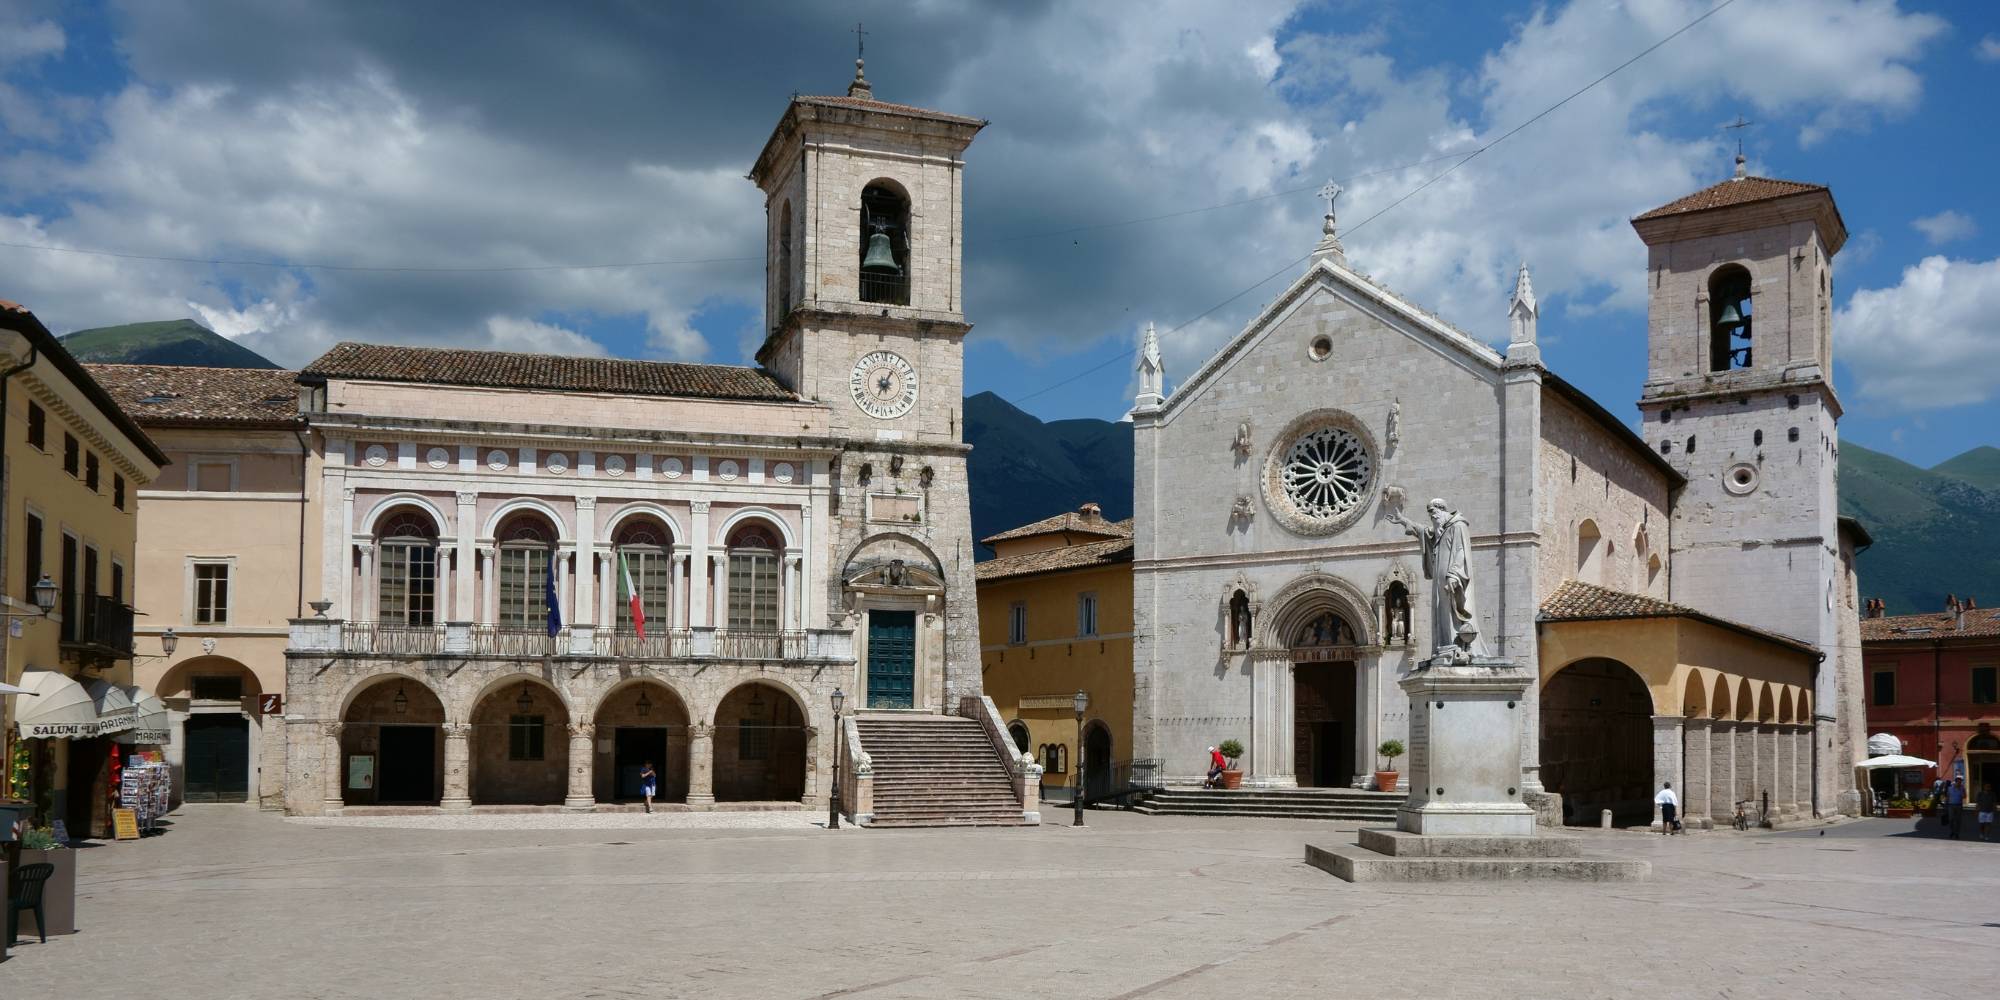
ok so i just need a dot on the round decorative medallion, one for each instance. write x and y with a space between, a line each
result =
1320 348
557 463
376 455
496 460
1318 478
614 465
883 384
727 470
1740 479
437 458
782 472
672 468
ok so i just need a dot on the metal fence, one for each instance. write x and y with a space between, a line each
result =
391 640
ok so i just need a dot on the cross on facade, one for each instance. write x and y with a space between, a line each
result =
1737 126
1331 192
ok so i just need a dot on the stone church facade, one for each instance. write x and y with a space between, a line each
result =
788 530
1677 594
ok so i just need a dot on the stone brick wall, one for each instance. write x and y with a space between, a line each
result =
1587 472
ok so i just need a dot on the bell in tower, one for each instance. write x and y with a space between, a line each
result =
885 216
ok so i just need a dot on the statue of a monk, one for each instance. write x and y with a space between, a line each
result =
1447 546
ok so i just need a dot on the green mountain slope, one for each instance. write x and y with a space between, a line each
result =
1024 470
168 342
1980 467
1931 526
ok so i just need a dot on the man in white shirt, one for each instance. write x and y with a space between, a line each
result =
1669 803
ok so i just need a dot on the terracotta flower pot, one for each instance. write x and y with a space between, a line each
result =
1232 778
1386 780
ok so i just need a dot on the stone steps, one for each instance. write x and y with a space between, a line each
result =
936 771
1347 805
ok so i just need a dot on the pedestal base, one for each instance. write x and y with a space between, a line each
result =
1396 856
1465 749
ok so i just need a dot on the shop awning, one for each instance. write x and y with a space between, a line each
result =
115 711
1894 760
150 725
60 710
6 688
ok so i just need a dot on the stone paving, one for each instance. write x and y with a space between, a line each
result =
236 903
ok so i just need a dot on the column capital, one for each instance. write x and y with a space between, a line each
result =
582 730
367 548
698 506
457 730
1697 722
330 729
347 493
701 730
586 503
467 498
1667 721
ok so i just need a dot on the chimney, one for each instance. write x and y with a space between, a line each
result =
1090 512
1951 602
1971 603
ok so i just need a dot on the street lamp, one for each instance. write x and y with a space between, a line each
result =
833 798
168 640
1076 779
45 594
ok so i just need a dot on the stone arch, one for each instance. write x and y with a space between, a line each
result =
1805 708
515 505
885 208
388 504
208 777
1589 552
1719 704
395 721
1597 740
180 677
1694 697
1308 596
1785 705
761 745
742 514
1730 296
516 761
643 508
1746 700
1018 732
636 720
1098 753
1767 709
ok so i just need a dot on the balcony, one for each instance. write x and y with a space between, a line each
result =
391 640
320 635
656 644
104 634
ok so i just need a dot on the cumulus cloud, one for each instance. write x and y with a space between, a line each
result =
1989 48
1920 344
298 131
1945 227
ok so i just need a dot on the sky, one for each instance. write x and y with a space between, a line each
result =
570 178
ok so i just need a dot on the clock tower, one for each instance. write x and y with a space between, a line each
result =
865 316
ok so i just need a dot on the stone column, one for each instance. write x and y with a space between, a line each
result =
343 598
719 600
331 764
1722 771
698 564
468 513
794 584
1803 771
1271 751
1367 717
581 754
583 602
701 764
678 597
489 569
1696 770
457 766
364 608
607 589
1767 767
1746 764
1666 760
1783 802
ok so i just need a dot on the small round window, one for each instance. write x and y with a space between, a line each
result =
1320 348
1740 479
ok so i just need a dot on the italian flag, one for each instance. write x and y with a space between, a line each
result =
631 595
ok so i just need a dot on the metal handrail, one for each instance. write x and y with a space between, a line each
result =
656 644
505 641
760 644
391 640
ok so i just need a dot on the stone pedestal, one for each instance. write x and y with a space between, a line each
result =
1465 751
1465 817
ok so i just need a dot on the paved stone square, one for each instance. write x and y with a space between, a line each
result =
236 903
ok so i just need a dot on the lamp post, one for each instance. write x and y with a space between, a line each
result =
168 641
833 797
1076 779
45 594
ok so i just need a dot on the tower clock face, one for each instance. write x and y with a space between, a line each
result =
884 385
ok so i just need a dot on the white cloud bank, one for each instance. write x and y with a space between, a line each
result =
1945 227
1928 341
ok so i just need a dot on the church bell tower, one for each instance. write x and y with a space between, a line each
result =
865 315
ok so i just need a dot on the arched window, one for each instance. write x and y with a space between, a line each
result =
753 578
885 245
1589 552
1239 620
406 588
784 262
1396 612
1020 734
527 547
1729 319
645 553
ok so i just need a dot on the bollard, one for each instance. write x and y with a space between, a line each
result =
1604 819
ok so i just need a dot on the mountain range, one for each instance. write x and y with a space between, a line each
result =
1928 524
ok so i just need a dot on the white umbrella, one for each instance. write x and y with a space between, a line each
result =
6 689
1894 760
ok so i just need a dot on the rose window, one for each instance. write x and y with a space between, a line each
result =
1325 473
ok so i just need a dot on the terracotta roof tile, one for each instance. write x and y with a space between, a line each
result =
1579 601
556 373
1072 522
180 396
1735 191
1979 623
1104 553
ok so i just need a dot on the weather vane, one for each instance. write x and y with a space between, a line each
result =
1331 192
1737 126
860 43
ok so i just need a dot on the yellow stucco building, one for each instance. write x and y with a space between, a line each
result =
1055 618
74 463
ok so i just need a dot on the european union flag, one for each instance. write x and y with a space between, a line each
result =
549 598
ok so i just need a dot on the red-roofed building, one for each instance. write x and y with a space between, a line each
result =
1933 683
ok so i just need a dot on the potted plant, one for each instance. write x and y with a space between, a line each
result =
1232 777
1385 779
1901 807
39 844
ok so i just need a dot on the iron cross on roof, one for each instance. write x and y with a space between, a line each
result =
1331 192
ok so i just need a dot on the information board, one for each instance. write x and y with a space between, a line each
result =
125 824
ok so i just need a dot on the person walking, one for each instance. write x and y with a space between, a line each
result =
1954 803
649 784
1669 803
1216 765
1985 809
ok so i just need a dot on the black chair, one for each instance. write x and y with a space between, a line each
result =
30 898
